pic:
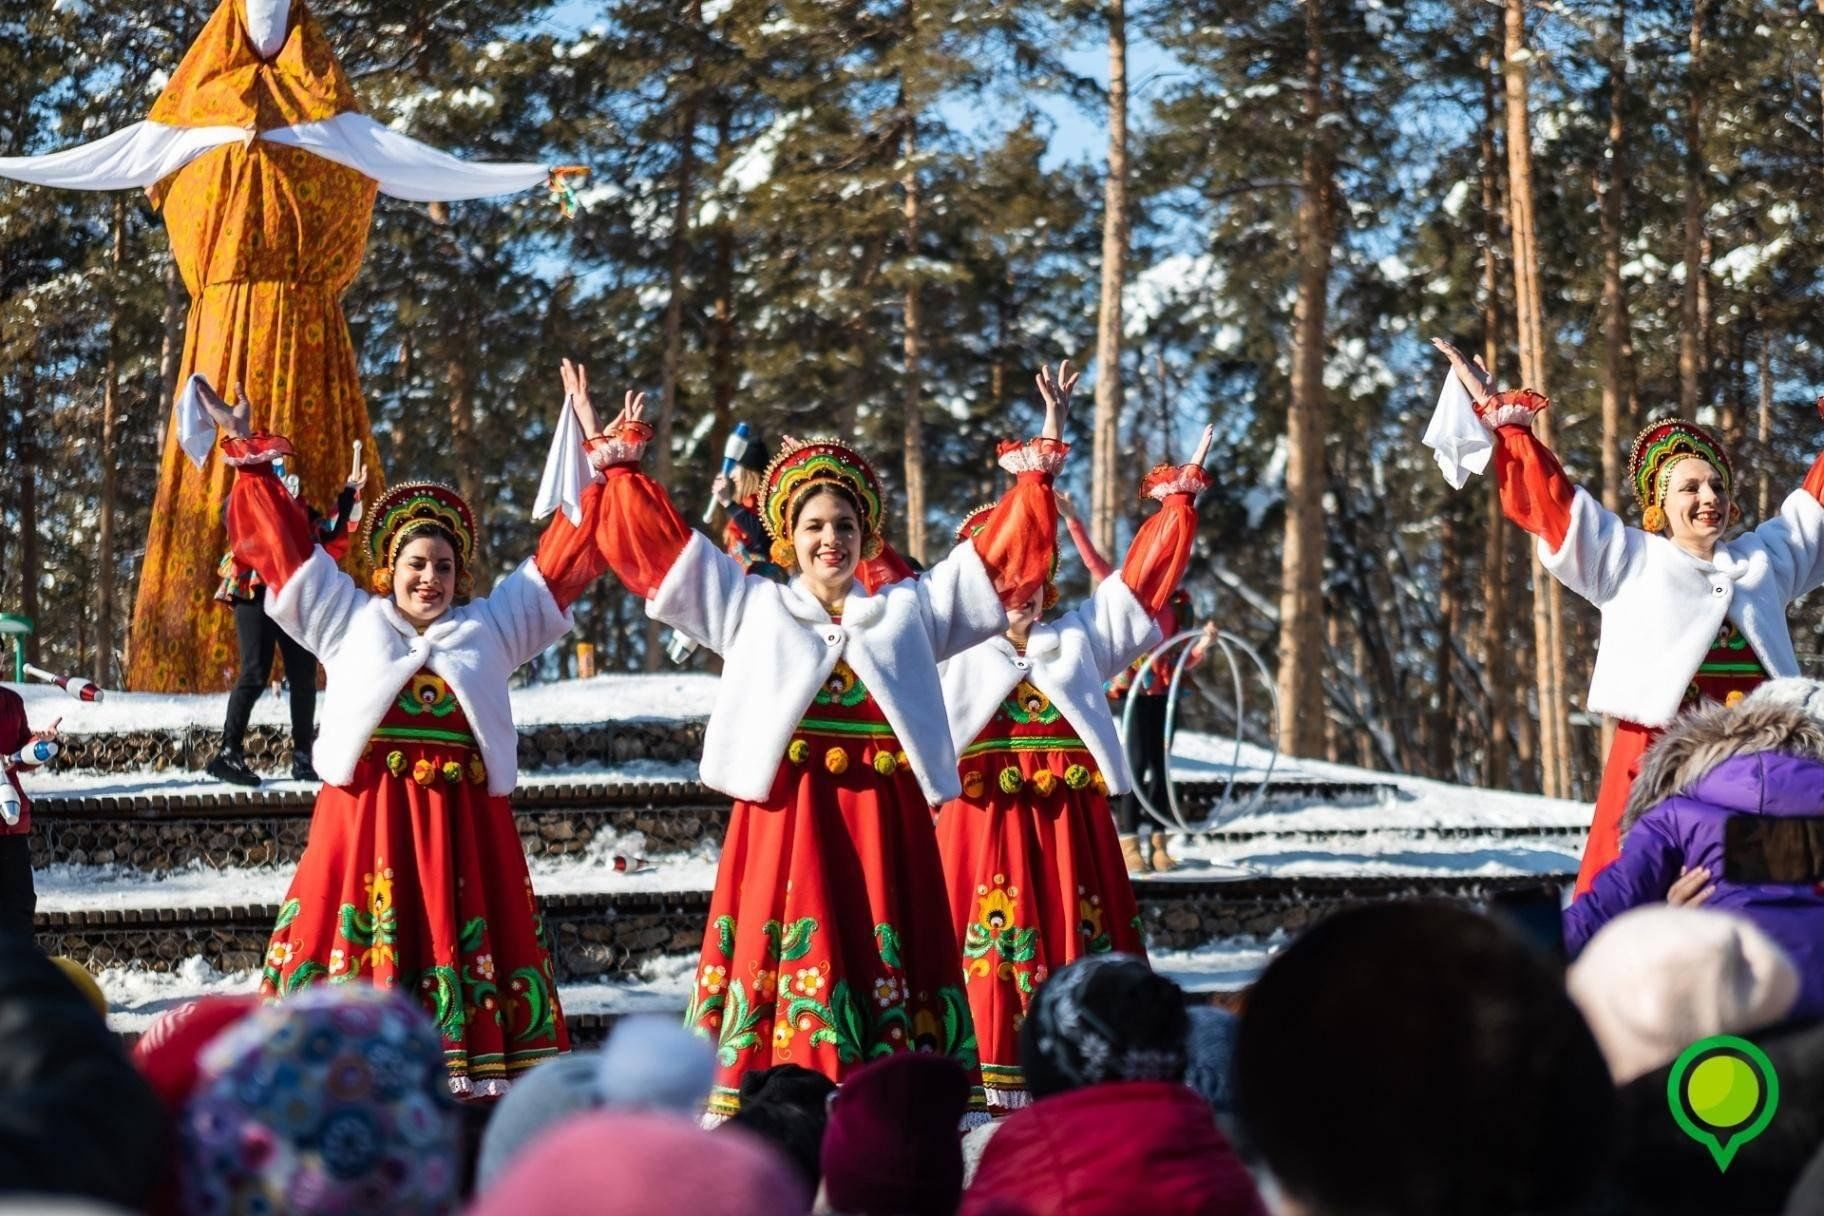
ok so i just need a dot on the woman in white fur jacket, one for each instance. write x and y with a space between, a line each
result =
1691 609
828 942
413 877
1035 873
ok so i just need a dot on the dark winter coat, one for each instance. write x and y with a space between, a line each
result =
1114 1149
75 1117
1730 790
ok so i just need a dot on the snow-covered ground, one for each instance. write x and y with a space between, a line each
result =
182 783
69 888
136 996
610 698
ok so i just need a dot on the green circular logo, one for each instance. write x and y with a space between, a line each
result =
1723 1093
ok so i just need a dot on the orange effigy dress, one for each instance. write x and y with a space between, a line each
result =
267 239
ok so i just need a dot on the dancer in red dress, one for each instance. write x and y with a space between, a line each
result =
1031 860
1691 609
827 943
413 877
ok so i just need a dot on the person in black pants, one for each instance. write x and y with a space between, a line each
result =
256 636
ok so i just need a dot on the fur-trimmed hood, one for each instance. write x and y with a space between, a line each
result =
1781 716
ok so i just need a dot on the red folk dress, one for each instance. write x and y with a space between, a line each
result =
1536 494
1032 862
413 877
827 943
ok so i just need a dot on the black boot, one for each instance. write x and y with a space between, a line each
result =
301 768
231 766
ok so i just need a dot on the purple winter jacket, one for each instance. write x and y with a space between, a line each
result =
1716 780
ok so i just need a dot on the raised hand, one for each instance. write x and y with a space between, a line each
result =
1056 390
576 392
1066 507
1476 378
47 735
234 421
633 406
1203 446
720 489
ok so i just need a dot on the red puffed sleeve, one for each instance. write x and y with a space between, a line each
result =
1535 493
1161 550
268 529
890 567
638 532
1814 478
1093 561
1018 542
568 555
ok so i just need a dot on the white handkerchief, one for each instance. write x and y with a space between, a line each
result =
567 471
195 432
1456 435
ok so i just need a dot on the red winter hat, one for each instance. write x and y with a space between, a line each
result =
893 1143
166 1053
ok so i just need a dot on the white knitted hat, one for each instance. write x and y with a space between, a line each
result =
1656 979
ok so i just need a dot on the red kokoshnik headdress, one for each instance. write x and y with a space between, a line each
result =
418 502
803 465
1662 445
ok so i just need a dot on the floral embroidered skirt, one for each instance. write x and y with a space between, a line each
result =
1035 879
415 880
826 945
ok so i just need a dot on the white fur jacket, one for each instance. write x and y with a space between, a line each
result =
778 645
1662 608
371 651
1068 660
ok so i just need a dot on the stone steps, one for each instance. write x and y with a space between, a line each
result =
159 831
610 935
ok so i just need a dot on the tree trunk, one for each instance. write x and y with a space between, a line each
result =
1763 424
1105 458
678 262
1444 714
1615 370
467 450
110 410
30 561
1497 656
1301 605
722 330
912 448
1530 324
1691 357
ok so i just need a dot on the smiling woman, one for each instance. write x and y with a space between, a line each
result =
828 942
1690 614
413 877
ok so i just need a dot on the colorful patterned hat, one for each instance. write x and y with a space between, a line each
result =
1662 445
334 1101
417 502
804 464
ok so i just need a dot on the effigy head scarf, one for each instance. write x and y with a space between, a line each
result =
804 465
1656 450
418 502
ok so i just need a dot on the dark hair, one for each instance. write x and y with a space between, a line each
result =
425 528
788 1106
834 489
1419 1058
